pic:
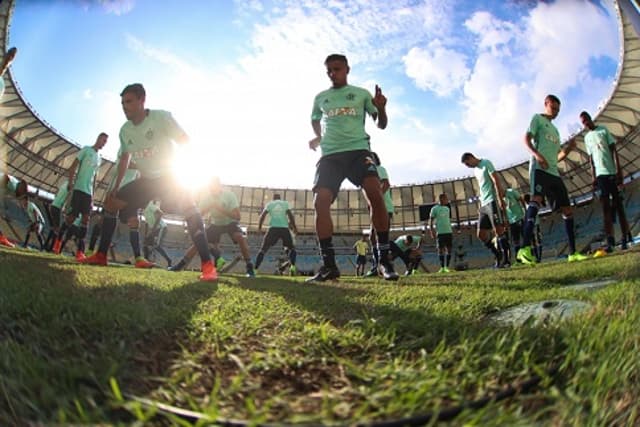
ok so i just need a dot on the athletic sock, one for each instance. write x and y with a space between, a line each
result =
447 260
442 260
259 259
571 235
292 256
196 231
109 223
529 223
489 245
503 243
134 239
327 253
383 247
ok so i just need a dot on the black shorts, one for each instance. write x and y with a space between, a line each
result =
214 232
490 216
607 186
55 214
81 203
361 259
445 240
273 235
551 187
331 170
137 195
515 230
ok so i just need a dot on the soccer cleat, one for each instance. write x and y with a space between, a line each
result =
408 272
576 256
57 246
600 253
293 270
250 271
441 270
80 256
372 272
506 264
386 270
446 270
325 274
209 273
5 242
220 262
525 256
178 267
96 259
143 263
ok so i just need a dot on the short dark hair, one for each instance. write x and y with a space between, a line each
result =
136 88
466 156
553 98
409 238
103 134
375 157
585 114
336 57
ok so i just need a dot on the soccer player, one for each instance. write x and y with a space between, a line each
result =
514 207
155 232
607 178
491 212
86 165
337 119
224 209
148 138
55 212
407 248
36 222
441 215
542 139
280 220
362 247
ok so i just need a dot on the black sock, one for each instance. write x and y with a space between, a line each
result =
292 256
259 259
134 239
489 244
529 223
95 233
503 243
327 253
571 234
109 224
196 231
441 260
447 260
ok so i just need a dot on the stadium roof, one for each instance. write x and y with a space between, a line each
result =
32 149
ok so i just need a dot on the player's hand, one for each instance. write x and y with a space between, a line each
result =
314 143
541 160
379 100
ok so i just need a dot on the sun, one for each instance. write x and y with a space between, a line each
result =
193 166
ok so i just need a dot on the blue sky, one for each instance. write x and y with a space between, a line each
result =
240 76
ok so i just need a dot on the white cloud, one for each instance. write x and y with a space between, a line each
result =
117 7
436 68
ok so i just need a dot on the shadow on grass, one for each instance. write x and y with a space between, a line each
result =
61 342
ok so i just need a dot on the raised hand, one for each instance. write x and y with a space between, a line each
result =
379 100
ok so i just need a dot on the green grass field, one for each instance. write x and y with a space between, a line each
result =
82 344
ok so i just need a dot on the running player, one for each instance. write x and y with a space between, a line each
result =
542 139
491 212
337 119
361 247
607 178
441 215
86 165
280 220
148 138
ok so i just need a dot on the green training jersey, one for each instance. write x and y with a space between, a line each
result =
598 142
88 163
546 140
226 200
277 210
415 244
61 195
151 143
442 218
515 211
342 114
149 214
483 172
388 202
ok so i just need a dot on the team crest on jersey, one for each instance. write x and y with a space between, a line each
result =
149 135
351 96
326 101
